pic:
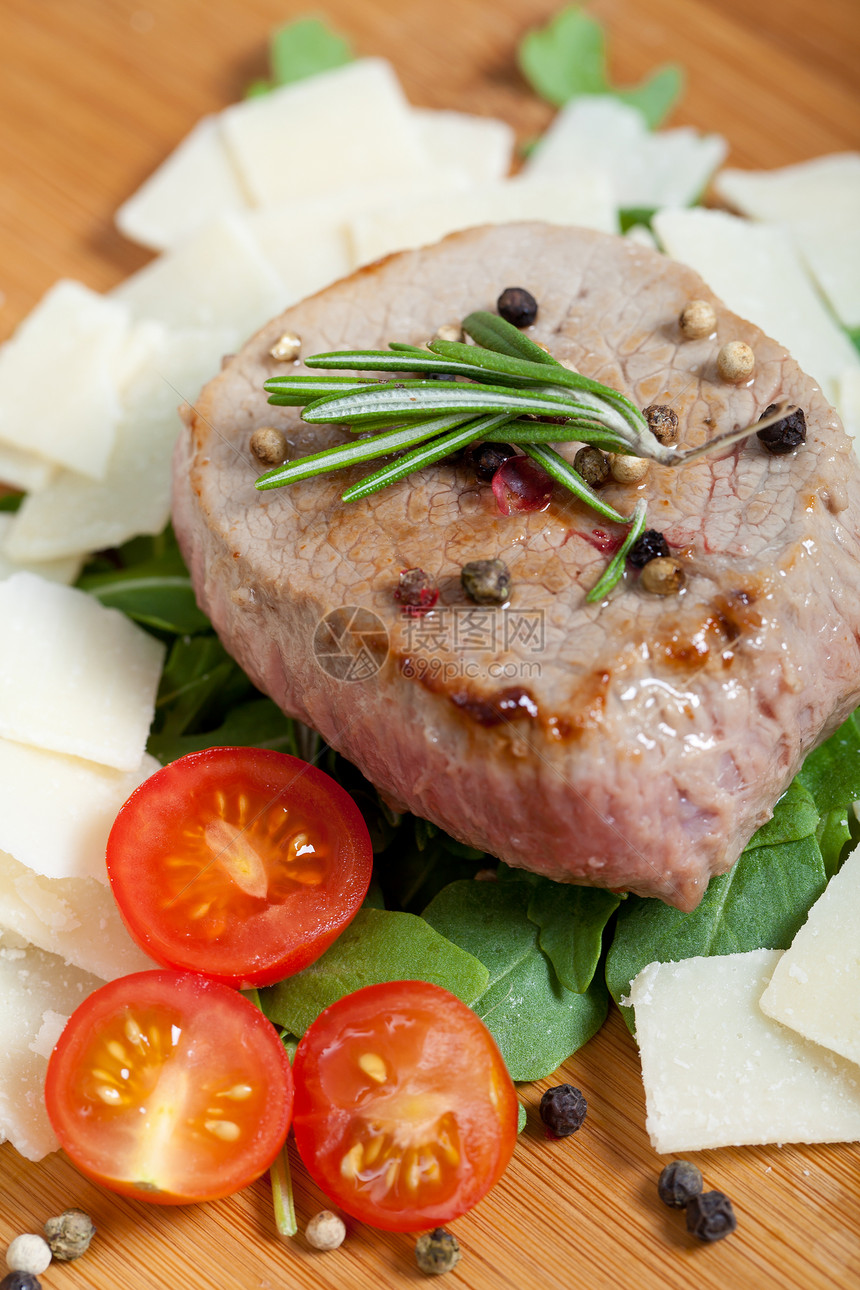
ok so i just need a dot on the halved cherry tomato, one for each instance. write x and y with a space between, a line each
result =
241 863
169 1088
405 1113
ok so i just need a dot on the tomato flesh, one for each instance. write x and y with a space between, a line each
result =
405 1113
241 863
169 1088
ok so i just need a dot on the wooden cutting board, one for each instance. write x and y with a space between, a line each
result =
93 94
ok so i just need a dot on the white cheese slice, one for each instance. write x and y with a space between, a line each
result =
815 988
37 990
24 470
58 388
64 570
718 1072
848 403
76 918
480 147
75 677
67 841
585 200
74 513
755 269
347 125
196 182
646 168
216 279
796 192
830 246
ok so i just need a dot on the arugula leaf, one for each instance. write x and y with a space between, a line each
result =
831 773
567 58
413 869
536 1022
854 336
10 502
151 597
759 904
256 724
571 921
378 945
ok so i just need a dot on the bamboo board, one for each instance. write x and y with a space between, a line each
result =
93 94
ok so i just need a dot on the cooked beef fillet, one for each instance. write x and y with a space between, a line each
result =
634 744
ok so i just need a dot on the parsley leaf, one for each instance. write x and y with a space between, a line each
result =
567 58
301 49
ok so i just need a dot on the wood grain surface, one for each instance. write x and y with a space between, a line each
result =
93 94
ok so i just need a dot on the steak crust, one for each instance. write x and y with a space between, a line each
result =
633 744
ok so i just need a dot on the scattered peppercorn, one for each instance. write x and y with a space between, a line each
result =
450 331
784 435
269 445
735 361
563 1110
662 576
20 1281
416 589
662 422
627 470
592 465
487 582
679 1182
647 547
28 1253
325 1231
486 458
517 306
287 348
437 1251
710 1216
697 319
69 1234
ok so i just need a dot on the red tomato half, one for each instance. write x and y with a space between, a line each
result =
169 1088
240 863
405 1113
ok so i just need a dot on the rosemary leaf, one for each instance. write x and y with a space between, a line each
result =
424 455
430 398
406 360
613 571
575 430
349 454
295 391
561 470
494 332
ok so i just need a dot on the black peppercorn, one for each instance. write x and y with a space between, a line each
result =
517 306
647 547
662 422
486 458
710 1216
437 1251
679 1182
487 582
784 435
20 1281
563 1110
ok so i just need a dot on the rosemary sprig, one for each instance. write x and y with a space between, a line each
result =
612 573
562 471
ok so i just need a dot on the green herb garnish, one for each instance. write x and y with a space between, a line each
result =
301 49
567 58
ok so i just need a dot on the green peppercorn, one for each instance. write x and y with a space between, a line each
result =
592 465
662 422
437 1251
563 1110
710 1216
69 1234
487 582
679 1182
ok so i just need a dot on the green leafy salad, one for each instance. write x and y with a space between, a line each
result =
537 960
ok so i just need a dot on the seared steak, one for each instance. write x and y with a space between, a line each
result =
636 743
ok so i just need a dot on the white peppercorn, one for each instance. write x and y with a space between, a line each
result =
287 348
450 331
28 1253
627 470
735 361
269 445
325 1231
697 319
